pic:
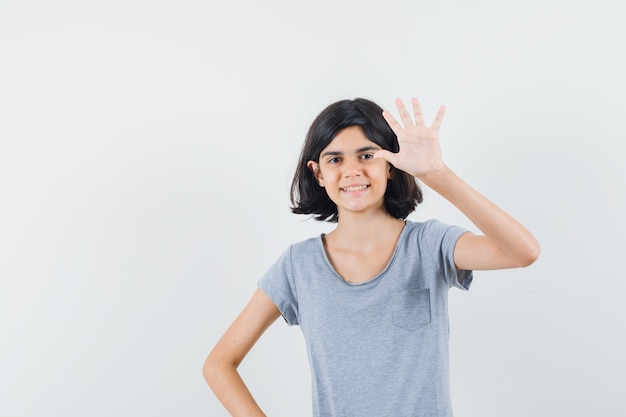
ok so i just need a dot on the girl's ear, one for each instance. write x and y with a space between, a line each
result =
315 168
389 171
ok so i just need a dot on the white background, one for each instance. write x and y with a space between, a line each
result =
146 152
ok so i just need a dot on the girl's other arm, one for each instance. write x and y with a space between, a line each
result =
220 367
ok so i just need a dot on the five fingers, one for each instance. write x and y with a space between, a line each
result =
417 115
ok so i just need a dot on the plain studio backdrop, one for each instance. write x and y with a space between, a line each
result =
146 153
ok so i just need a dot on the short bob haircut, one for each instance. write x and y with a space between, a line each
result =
402 195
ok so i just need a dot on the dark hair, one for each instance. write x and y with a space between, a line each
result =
403 193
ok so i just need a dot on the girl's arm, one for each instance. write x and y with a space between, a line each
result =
220 367
506 243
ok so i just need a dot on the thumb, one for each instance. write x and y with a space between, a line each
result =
386 155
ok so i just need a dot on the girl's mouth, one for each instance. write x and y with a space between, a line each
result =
354 188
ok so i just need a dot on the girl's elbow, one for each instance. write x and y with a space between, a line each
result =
207 370
210 370
530 255
215 369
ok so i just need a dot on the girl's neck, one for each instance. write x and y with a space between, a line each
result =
365 229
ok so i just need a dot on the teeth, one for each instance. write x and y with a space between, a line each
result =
357 188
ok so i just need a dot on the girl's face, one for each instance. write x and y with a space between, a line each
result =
353 179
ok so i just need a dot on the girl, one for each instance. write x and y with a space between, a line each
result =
371 296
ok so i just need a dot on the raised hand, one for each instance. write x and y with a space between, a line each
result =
420 152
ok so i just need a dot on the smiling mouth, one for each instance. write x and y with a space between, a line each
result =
355 188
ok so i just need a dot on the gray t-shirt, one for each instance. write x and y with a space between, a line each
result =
380 348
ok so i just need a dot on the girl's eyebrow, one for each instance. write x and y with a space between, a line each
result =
339 153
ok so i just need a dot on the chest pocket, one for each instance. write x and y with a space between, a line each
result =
411 309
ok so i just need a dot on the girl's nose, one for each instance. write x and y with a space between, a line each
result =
351 168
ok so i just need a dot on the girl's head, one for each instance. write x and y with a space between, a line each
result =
307 197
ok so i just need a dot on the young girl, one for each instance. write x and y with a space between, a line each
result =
371 296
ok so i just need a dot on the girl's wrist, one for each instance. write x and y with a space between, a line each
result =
436 176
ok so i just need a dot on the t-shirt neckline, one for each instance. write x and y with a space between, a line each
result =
320 242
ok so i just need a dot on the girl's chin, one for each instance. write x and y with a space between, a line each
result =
356 209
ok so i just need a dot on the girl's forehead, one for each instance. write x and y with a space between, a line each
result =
350 138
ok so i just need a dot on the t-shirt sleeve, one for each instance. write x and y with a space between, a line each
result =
442 239
278 283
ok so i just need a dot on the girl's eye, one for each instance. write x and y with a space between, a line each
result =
367 156
333 160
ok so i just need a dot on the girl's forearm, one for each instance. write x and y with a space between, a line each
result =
230 389
510 236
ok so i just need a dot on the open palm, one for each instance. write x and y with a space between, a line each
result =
420 152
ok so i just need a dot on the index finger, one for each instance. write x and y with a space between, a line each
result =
392 122
404 114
